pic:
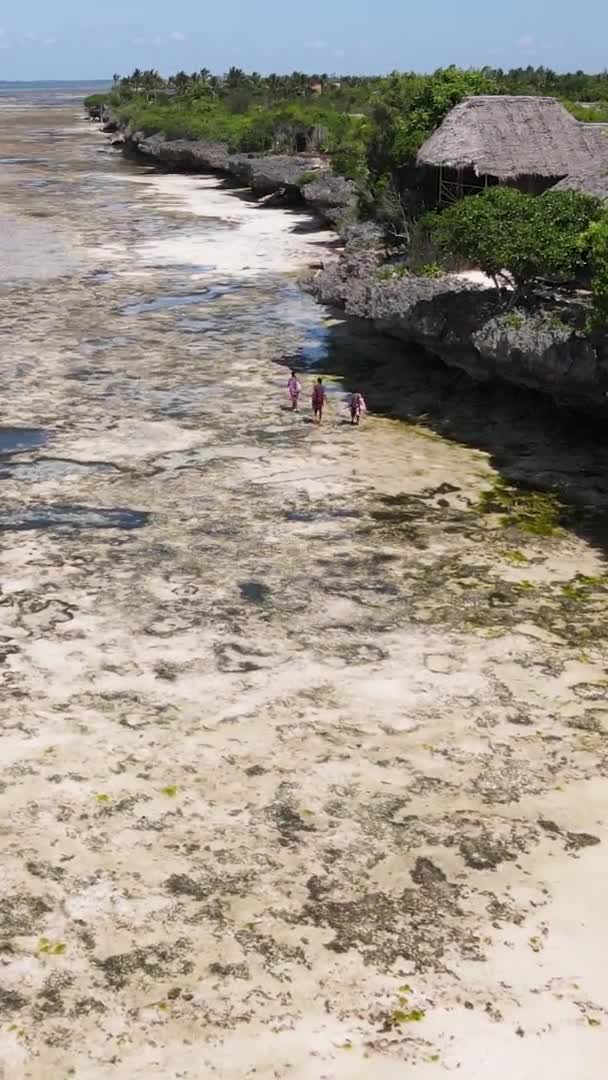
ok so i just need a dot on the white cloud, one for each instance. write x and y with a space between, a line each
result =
139 41
50 41
29 36
526 43
176 35
315 44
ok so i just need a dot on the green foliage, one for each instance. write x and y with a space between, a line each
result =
95 100
589 114
392 272
594 242
307 178
528 237
430 270
514 320
410 107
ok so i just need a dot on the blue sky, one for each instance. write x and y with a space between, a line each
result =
73 39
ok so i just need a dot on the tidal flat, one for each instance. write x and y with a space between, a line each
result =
304 730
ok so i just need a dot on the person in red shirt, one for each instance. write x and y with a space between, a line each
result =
318 400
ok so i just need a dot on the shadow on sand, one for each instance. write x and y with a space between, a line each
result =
532 443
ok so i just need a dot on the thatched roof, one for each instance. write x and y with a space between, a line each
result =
590 183
509 137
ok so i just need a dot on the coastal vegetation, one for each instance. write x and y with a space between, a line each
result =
369 129
370 126
525 238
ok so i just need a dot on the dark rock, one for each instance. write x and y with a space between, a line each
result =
333 197
468 327
485 852
180 154
576 841
278 172
426 873
363 236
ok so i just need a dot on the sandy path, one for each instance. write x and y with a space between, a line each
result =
303 757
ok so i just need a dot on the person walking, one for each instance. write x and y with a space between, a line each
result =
358 408
294 390
319 398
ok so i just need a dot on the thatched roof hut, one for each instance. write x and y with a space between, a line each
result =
594 183
511 138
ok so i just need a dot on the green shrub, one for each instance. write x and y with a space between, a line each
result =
529 238
594 243
307 178
393 272
95 100
430 270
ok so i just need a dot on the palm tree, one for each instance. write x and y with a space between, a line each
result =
235 78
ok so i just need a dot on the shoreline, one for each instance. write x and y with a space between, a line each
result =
303 761
458 318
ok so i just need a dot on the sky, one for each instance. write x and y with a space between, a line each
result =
72 39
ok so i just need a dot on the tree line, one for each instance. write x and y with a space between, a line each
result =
370 129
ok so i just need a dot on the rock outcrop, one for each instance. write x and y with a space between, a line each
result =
298 178
334 197
541 347
274 173
179 155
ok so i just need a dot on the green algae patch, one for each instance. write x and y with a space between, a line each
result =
516 558
170 791
583 586
414 1016
51 948
538 513
103 798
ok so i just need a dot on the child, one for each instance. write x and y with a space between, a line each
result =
318 400
294 390
358 408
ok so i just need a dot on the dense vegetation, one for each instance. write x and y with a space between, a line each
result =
505 232
558 237
370 128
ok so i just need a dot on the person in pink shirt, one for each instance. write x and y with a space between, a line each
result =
294 390
358 408
319 398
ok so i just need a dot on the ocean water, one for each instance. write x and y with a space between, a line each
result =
48 94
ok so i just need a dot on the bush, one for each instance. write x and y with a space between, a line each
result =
307 178
94 101
594 243
503 231
392 272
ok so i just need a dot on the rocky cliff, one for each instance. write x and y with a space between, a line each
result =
542 346
298 178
